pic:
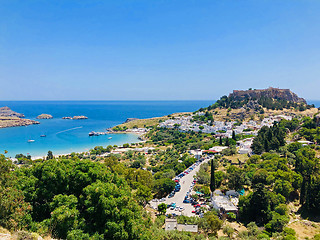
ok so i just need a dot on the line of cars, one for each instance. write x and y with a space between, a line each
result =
173 206
177 188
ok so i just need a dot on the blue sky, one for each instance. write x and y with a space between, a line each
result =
156 50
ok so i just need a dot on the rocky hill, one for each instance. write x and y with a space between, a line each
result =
273 93
7 112
270 98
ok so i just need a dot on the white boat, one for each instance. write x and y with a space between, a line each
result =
30 140
109 137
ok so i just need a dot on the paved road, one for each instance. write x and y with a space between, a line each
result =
178 198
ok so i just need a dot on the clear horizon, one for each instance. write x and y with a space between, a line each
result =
150 50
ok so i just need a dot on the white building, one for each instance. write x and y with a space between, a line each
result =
223 204
172 224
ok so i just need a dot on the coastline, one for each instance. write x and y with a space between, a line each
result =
9 122
88 149
101 115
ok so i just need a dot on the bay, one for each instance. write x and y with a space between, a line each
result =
66 136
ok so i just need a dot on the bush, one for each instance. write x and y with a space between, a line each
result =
232 216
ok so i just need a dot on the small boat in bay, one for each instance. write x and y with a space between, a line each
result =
30 140
92 133
109 137
43 135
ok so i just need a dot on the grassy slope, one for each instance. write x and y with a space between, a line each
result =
140 123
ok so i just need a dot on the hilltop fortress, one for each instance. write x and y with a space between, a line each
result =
274 93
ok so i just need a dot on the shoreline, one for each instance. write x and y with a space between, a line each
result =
86 151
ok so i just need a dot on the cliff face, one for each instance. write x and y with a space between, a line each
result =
275 93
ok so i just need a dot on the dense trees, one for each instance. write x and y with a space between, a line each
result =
269 139
73 196
14 211
81 199
310 129
259 204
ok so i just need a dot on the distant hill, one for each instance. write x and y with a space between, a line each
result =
270 98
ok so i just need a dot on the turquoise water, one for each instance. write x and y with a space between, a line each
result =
66 136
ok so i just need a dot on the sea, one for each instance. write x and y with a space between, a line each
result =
67 136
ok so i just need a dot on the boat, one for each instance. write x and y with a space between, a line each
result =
109 137
43 135
30 140
92 133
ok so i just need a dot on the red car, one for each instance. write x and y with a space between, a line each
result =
193 211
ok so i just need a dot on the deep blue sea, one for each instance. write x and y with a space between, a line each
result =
66 136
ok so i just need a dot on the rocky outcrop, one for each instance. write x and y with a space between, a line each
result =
15 122
9 118
131 119
274 93
44 116
7 112
79 117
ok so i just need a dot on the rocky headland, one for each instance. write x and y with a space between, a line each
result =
131 119
9 118
44 116
7 112
15 122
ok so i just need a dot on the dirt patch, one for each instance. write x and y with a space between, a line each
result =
305 229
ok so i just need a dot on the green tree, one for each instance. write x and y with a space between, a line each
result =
143 194
283 187
210 223
227 142
49 155
236 178
234 136
162 208
212 178
64 215
258 205
163 186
